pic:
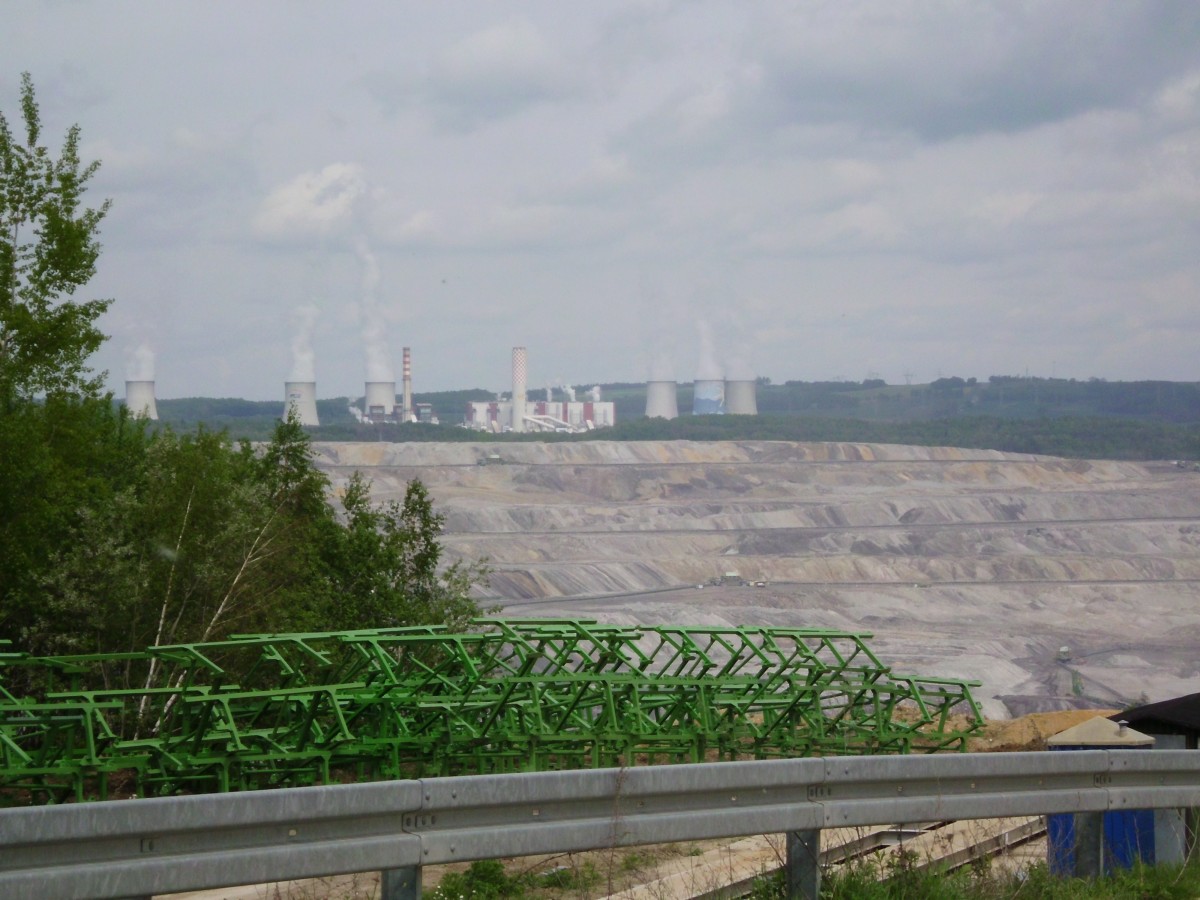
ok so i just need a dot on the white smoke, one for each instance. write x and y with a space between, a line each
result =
379 359
737 368
303 362
314 204
707 368
661 366
139 364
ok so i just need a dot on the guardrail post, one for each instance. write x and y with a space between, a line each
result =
1089 845
400 884
804 865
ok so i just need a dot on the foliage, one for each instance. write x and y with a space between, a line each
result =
483 880
48 249
902 879
386 564
195 539
116 535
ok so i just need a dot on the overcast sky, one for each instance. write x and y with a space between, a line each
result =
817 190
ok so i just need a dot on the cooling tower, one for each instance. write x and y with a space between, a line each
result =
301 397
520 371
708 398
662 400
381 399
139 399
741 398
406 405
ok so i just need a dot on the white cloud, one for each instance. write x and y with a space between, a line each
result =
313 204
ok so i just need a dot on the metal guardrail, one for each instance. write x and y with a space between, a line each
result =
141 847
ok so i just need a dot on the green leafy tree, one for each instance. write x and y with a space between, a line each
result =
48 250
386 563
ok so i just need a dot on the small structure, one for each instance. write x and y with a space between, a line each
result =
1175 725
1086 844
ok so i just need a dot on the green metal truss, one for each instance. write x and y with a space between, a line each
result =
512 695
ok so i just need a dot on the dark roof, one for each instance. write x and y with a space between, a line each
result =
1181 714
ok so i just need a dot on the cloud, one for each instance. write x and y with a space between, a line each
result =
318 204
489 75
941 71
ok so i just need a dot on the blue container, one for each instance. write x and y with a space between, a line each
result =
1128 834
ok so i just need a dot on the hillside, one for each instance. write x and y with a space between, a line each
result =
963 563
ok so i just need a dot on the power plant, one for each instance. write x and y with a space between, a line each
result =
520 370
662 400
712 395
139 399
519 415
380 400
741 397
406 406
300 398
708 398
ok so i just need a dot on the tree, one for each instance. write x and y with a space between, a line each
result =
386 564
48 249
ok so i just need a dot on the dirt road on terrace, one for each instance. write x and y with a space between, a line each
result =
963 563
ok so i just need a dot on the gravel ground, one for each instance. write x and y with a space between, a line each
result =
964 563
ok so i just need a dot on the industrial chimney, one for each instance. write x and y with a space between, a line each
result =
662 400
520 371
741 397
139 400
300 397
406 406
380 401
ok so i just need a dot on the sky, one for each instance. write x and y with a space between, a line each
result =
631 189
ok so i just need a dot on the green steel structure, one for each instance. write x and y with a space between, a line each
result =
512 695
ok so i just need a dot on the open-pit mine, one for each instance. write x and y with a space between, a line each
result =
1056 583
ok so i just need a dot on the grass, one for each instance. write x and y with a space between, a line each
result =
901 879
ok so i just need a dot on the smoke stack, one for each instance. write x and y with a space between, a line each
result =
407 403
139 399
520 371
708 398
741 397
380 401
300 397
662 401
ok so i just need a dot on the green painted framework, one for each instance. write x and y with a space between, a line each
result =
512 695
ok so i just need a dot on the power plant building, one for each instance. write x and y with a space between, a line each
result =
708 398
662 400
541 415
300 398
139 399
380 401
741 397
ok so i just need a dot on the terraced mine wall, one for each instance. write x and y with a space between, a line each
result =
1058 583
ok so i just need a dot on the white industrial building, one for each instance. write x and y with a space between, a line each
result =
541 415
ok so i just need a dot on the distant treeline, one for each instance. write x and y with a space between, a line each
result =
1062 417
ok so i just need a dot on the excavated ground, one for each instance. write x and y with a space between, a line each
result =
963 563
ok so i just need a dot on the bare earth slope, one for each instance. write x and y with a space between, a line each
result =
965 563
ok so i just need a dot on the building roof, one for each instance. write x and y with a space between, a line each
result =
1178 715
1100 732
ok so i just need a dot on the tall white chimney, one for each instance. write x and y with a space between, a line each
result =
139 399
662 400
407 403
520 372
301 398
741 397
380 399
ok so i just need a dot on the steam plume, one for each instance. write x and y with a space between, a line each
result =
139 364
303 365
379 360
707 368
